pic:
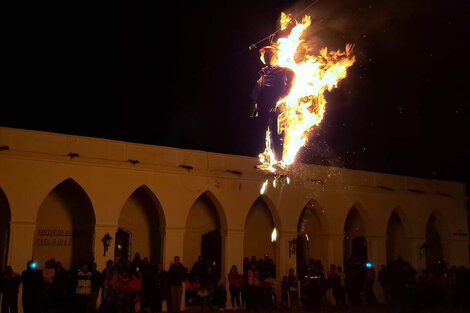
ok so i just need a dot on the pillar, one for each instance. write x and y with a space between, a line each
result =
232 254
458 254
334 249
21 244
232 251
285 261
418 255
173 245
377 250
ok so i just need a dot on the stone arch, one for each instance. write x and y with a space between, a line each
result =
405 220
141 226
397 232
203 232
259 225
5 219
436 238
219 208
363 214
355 233
65 225
311 227
273 211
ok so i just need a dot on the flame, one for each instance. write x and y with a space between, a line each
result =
302 110
285 20
263 187
267 158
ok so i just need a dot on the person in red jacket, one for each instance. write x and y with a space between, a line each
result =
235 283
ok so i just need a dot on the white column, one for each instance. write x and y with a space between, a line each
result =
458 251
174 238
21 244
377 250
334 249
418 256
232 251
285 261
232 254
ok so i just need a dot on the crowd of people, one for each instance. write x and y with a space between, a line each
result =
397 284
130 286
122 287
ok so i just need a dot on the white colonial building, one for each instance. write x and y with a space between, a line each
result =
60 195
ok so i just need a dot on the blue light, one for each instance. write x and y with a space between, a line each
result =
368 264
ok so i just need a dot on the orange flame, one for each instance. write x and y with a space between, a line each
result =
267 158
285 20
302 110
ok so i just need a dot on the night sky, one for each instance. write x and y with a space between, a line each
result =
179 73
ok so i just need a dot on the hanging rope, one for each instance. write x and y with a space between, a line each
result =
271 36
254 45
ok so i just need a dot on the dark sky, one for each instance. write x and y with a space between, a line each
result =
179 74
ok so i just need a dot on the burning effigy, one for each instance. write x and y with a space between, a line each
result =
289 95
274 83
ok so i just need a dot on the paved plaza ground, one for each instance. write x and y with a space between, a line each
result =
348 309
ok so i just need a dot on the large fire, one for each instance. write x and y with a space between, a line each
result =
302 110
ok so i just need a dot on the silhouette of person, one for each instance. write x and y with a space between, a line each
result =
274 83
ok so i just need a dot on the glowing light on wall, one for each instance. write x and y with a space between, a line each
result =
274 235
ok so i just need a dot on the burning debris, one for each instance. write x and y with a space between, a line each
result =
289 96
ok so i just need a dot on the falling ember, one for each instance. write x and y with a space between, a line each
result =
263 188
302 110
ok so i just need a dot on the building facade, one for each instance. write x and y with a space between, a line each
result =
69 197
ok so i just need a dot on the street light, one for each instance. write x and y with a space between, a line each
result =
106 240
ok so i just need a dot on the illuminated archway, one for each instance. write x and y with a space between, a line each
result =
202 236
437 232
65 226
310 227
140 227
259 225
354 243
397 243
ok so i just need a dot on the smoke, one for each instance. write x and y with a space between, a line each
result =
335 23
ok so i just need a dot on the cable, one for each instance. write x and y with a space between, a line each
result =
253 46
271 36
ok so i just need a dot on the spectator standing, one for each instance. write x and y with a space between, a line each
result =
177 275
83 288
10 285
160 288
31 279
235 281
